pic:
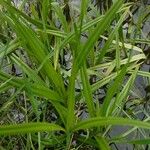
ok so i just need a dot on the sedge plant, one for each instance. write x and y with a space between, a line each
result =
68 73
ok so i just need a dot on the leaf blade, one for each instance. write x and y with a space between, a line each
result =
103 121
28 128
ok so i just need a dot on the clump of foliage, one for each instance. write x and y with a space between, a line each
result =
68 74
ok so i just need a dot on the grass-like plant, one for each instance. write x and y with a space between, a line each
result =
70 71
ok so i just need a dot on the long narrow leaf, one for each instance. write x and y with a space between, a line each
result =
87 91
111 92
102 143
28 128
99 30
104 121
37 89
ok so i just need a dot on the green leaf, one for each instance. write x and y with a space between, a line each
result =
104 121
28 128
103 82
84 5
122 62
21 14
37 50
124 93
10 100
32 74
71 101
60 15
101 27
37 89
126 45
43 91
72 35
54 32
45 9
142 73
102 143
87 91
141 141
7 49
99 30
111 37
111 92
